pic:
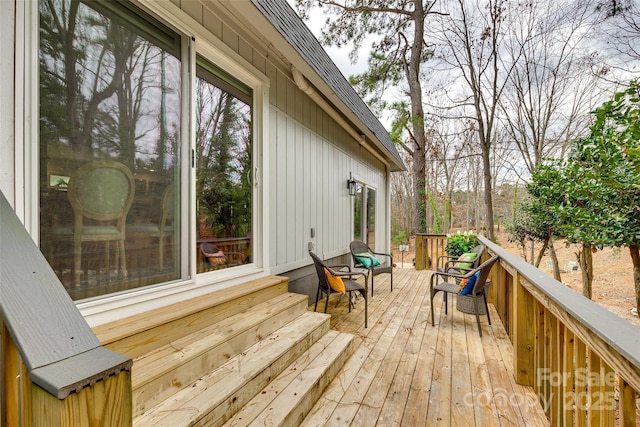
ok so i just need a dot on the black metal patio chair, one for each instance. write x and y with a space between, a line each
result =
324 288
361 252
478 290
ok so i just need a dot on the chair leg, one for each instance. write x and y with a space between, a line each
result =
391 279
486 306
77 262
433 322
123 259
475 307
366 307
315 307
326 304
372 275
446 303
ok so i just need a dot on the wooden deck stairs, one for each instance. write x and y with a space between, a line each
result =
236 357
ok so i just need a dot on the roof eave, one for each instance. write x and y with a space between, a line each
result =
261 25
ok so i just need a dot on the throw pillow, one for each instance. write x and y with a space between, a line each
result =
468 288
469 256
367 259
335 282
374 260
463 283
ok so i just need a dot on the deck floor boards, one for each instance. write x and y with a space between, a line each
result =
406 372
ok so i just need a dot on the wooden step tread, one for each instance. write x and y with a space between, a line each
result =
263 288
287 399
215 397
163 372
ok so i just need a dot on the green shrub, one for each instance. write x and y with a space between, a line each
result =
460 243
401 238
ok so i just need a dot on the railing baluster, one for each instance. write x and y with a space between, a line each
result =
594 392
578 349
608 386
580 384
523 336
568 371
627 412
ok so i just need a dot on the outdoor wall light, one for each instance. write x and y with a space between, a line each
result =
351 186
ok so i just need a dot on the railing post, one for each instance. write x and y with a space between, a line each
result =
106 403
55 371
523 334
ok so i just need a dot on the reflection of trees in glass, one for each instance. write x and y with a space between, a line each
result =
102 85
357 213
371 217
224 162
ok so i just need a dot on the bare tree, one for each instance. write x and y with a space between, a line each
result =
449 153
470 37
402 199
396 58
551 89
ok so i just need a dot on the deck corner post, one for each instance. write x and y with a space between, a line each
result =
106 403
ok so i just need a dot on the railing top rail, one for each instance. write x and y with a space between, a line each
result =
55 342
610 328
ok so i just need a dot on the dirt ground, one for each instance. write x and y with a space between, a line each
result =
613 276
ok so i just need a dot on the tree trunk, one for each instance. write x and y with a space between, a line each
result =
545 244
556 265
488 193
412 71
635 258
586 266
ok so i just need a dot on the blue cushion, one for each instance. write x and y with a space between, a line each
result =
468 288
367 259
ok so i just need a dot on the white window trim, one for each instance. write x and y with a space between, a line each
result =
107 308
27 158
366 185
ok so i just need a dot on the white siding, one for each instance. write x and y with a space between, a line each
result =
307 189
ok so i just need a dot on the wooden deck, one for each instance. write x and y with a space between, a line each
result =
407 372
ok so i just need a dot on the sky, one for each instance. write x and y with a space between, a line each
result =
340 56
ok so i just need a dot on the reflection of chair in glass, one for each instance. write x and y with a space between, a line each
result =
101 191
162 229
214 258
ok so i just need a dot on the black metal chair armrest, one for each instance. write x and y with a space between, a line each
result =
386 255
444 264
336 268
456 275
455 263
349 274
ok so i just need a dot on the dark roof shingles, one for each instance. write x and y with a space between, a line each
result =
298 35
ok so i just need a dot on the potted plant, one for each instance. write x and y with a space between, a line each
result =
460 243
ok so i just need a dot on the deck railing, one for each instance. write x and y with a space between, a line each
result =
582 360
55 372
428 248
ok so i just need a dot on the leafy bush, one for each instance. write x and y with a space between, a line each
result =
401 238
460 243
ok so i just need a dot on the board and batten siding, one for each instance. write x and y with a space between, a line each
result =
307 189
